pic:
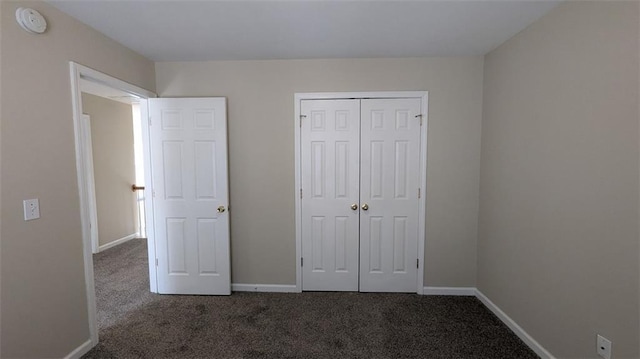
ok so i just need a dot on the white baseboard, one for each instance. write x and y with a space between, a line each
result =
471 291
117 241
526 338
80 351
465 291
280 288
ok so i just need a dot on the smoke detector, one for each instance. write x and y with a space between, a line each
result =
31 20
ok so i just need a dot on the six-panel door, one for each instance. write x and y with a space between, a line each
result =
389 185
188 139
330 175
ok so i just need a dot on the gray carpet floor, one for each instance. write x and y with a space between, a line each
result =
134 323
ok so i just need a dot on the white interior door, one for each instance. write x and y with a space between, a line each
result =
188 139
389 190
330 131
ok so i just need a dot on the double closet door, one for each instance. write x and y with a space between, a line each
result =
360 173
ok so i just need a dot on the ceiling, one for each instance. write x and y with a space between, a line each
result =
252 30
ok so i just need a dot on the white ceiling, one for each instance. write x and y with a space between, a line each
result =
249 30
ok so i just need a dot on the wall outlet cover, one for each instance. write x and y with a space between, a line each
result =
604 347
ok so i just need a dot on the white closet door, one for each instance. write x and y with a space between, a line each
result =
188 139
390 165
330 176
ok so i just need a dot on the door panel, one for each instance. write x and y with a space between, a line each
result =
188 139
330 178
390 173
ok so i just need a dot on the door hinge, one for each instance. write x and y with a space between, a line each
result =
420 117
301 262
149 120
301 117
153 193
156 262
418 263
300 193
419 194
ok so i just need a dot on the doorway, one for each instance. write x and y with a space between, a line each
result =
360 178
83 75
188 221
114 165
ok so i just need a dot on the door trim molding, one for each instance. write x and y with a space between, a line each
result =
424 96
87 149
77 73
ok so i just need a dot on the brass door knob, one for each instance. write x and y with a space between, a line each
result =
365 207
221 209
354 206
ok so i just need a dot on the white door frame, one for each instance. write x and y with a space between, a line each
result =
77 73
422 201
90 183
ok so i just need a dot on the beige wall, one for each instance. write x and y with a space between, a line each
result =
1 80
558 223
43 301
113 166
261 151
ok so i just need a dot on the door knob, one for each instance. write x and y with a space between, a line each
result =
354 206
365 207
221 209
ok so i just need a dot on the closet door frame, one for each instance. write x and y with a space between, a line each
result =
424 97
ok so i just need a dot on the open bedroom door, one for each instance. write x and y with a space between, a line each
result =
189 173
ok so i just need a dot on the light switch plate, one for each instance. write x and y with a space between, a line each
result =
31 209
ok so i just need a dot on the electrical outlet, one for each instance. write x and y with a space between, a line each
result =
604 347
31 209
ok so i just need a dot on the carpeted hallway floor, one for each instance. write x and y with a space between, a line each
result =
137 324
